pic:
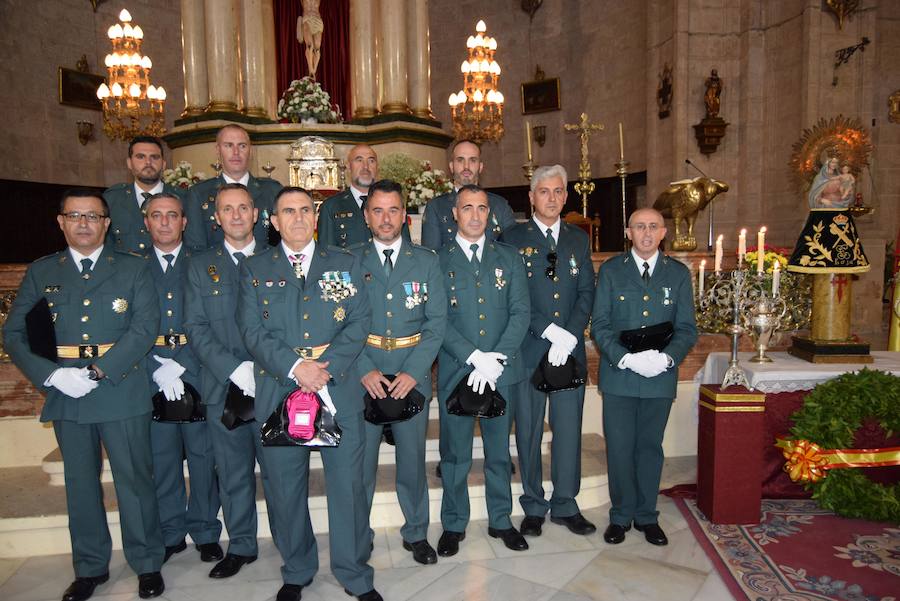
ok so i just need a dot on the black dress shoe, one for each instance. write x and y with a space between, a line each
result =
289 592
210 552
576 524
615 533
170 551
231 565
449 543
511 538
421 551
531 525
372 595
83 587
653 533
150 585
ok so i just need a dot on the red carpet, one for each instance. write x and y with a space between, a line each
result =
800 551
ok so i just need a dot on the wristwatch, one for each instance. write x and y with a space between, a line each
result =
93 374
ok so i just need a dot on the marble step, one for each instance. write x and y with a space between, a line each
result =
53 465
33 519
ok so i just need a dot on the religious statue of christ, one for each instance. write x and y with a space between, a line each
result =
309 33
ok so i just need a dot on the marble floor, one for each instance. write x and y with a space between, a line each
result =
559 566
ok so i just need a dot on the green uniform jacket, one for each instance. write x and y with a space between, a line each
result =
202 230
489 312
565 300
277 315
127 232
624 302
341 223
411 301
119 304
439 226
211 300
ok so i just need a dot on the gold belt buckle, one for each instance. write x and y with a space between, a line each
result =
172 341
388 343
88 351
304 352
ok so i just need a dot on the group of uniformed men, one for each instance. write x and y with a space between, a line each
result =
197 296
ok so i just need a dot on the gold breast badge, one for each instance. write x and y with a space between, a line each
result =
339 313
120 305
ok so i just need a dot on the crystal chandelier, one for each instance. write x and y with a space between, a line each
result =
477 109
132 106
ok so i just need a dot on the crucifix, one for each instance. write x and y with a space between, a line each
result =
584 186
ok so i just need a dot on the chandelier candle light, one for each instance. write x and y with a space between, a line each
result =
132 106
477 109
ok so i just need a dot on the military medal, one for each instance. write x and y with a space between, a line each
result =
667 293
573 265
336 286
213 273
339 314
416 293
265 216
500 283
120 305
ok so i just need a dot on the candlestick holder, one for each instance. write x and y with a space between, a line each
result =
528 169
269 168
217 166
622 172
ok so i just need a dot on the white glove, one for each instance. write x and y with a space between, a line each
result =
242 376
487 363
477 382
561 337
557 355
72 381
645 363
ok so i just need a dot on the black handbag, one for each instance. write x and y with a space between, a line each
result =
655 337
467 402
274 432
238 408
185 410
390 410
550 378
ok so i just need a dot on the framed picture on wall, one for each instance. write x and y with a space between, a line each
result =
540 96
77 88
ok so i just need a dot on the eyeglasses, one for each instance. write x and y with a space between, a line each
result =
640 227
551 270
92 217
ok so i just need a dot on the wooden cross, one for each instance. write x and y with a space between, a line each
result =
584 186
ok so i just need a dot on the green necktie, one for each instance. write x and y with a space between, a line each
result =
388 265
169 257
550 239
646 275
475 262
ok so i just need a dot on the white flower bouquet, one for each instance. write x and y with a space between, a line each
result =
182 176
305 99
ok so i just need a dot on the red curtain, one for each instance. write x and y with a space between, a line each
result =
334 65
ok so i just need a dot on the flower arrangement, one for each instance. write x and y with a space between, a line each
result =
306 100
430 182
182 176
400 167
772 254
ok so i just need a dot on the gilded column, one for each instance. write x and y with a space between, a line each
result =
193 43
419 59
393 56
271 78
363 58
253 59
221 55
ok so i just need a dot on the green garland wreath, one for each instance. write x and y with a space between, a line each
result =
830 416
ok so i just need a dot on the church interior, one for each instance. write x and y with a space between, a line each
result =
636 100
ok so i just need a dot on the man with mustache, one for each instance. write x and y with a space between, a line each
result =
561 282
234 151
438 224
146 162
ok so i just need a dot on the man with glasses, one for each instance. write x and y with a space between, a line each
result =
146 163
234 150
635 290
438 224
211 301
171 364
561 282
487 318
304 316
101 308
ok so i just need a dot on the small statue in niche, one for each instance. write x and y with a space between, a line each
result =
309 33
713 91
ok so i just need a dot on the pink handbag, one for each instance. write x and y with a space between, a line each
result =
302 410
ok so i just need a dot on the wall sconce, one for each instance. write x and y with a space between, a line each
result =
85 131
540 134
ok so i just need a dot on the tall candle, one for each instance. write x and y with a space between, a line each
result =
621 144
528 139
760 249
742 246
719 253
702 276
776 278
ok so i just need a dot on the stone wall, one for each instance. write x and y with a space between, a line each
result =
40 135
